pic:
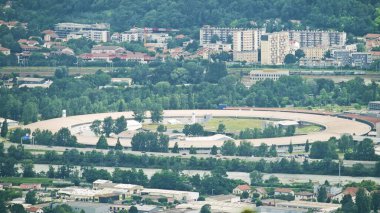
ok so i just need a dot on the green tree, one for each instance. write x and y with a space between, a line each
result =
244 195
118 145
95 127
245 149
157 115
4 129
363 201
193 129
139 115
102 143
161 128
192 151
290 148
299 54
120 125
375 201
214 151
272 151
206 208
290 59
215 72
221 128
51 172
322 194
64 138
27 168
29 112
133 209
348 206
17 208
307 146
256 178
61 72
175 148
108 126
31 197
228 148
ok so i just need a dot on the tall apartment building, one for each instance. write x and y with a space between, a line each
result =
64 29
309 38
246 44
207 32
274 48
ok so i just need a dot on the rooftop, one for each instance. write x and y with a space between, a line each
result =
244 187
283 190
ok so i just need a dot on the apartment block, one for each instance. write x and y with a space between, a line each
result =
361 59
247 56
274 48
314 52
309 38
207 32
64 29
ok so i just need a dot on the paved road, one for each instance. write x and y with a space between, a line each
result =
284 178
347 163
334 127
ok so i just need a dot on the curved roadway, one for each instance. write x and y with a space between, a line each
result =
334 126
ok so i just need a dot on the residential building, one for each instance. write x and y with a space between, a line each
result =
314 52
261 192
274 48
34 209
30 186
219 47
64 29
283 191
5 51
247 40
316 38
261 75
107 50
361 59
207 32
342 57
372 40
349 190
247 56
12 24
116 37
304 196
94 35
49 35
241 188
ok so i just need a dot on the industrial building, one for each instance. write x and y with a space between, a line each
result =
261 75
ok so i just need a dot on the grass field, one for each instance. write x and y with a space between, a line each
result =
19 180
308 129
232 124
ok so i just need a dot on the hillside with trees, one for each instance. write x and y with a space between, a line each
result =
353 16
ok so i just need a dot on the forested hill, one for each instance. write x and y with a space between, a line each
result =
354 16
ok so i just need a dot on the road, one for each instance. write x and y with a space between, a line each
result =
284 178
346 163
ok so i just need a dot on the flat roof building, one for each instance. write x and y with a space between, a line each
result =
274 48
261 75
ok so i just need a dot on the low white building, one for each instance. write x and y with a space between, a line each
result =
261 75
177 195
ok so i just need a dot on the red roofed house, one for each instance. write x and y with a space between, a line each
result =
241 188
34 209
30 186
372 40
349 190
5 51
304 196
107 49
49 35
283 191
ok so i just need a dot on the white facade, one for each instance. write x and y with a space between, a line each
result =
274 48
261 75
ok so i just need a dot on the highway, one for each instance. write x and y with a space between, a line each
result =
37 148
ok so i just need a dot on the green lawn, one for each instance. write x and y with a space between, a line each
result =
308 129
19 180
232 124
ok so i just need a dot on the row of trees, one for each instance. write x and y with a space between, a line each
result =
267 132
29 105
108 126
150 142
44 137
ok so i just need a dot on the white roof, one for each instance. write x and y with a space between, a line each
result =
127 186
102 181
217 137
